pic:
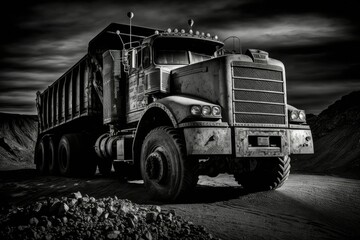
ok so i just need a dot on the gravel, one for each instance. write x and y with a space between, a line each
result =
84 217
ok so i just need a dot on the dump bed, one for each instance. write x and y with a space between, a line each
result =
71 96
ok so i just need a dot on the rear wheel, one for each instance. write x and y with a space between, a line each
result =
166 171
269 173
42 156
75 156
53 158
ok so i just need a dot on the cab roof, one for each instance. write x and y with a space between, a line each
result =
108 39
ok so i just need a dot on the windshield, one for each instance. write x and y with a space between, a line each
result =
182 51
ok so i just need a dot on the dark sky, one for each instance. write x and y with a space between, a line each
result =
318 41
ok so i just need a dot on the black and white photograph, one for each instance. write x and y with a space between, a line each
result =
166 120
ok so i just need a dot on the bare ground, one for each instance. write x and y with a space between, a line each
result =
306 207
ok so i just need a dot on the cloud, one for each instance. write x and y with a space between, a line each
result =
286 31
315 97
318 44
22 102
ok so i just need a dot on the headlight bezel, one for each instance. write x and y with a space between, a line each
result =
195 110
297 116
216 111
207 111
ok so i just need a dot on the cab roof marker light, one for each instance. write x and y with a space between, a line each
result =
176 30
169 30
197 33
208 35
191 23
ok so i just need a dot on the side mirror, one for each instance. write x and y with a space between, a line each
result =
133 58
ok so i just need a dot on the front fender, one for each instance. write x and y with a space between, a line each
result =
179 107
168 111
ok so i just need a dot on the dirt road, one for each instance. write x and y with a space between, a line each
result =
306 207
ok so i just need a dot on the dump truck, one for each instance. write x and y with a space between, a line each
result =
167 106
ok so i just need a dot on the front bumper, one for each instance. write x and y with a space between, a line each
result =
216 139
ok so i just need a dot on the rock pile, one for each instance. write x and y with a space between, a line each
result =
84 217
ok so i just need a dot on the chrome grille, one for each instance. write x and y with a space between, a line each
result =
258 95
257 73
259 85
259 107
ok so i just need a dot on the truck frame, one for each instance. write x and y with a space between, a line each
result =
167 106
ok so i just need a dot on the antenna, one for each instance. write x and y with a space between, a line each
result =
130 16
118 33
191 23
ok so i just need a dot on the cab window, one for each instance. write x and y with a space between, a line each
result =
146 57
138 55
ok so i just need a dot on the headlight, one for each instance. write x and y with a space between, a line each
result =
216 111
302 115
195 110
297 116
206 110
293 115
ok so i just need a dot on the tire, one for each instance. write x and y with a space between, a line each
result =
75 156
53 156
269 174
42 156
167 173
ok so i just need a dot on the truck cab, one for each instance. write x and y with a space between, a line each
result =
150 65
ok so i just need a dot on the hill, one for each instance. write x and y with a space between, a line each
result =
17 140
336 133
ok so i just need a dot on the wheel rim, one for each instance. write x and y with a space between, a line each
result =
155 166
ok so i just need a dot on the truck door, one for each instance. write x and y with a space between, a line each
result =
136 98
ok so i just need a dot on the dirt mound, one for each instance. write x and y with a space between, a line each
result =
336 133
84 217
17 140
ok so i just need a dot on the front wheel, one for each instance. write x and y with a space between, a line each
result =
167 173
269 174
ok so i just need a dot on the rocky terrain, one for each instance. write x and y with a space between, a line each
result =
84 217
17 140
336 133
306 207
